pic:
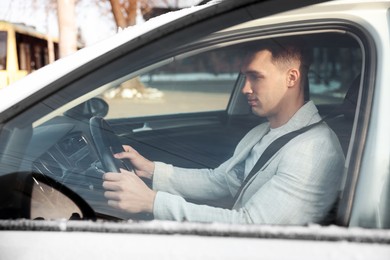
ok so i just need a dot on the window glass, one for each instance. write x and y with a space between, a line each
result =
3 50
333 69
62 147
204 81
199 83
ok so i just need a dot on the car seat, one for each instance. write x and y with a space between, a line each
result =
341 121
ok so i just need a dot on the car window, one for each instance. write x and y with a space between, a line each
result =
173 92
179 109
176 92
333 70
199 83
203 80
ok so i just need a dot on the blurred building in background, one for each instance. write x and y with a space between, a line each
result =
23 50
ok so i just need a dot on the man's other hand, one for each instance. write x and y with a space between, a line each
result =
126 191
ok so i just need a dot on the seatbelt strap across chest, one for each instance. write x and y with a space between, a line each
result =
275 146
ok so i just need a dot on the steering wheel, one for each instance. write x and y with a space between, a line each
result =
107 144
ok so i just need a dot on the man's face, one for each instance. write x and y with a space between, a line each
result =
265 85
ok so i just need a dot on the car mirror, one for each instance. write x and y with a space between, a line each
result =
36 196
88 109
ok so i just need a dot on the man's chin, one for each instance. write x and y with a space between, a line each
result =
257 112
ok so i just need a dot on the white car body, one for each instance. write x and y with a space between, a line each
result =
363 238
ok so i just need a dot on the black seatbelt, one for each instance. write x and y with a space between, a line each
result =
275 146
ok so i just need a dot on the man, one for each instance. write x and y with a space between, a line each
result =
298 185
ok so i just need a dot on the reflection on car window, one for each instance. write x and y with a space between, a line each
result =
332 71
199 83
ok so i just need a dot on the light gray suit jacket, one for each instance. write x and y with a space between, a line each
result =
298 185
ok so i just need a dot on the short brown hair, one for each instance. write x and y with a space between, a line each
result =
285 50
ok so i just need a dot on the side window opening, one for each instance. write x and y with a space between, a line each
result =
336 63
204 82
199 83
334 81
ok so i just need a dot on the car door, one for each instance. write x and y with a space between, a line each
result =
63 146
49 132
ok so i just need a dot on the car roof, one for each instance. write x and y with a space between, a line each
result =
316 11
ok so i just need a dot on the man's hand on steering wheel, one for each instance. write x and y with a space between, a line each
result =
142 166
127 192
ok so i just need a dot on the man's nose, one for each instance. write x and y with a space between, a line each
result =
246 88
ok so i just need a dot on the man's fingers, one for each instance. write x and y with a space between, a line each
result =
115 176
124 171
112 176
107 185
128 153
111 195
113 203
127 148
119 181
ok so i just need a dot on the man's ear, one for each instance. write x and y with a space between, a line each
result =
293 76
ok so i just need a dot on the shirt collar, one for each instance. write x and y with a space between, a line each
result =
306 115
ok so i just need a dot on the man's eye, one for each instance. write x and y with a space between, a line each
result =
254 78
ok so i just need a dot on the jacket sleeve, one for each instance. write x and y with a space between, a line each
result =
198 184
206 184
173 207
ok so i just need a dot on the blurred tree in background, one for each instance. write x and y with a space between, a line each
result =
66 13
124 13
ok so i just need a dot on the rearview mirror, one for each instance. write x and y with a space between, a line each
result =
90 108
